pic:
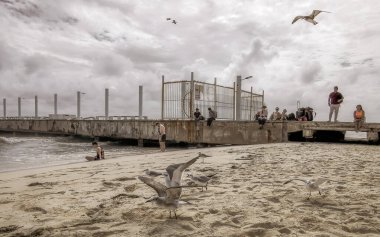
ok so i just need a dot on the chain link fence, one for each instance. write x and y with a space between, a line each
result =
181 98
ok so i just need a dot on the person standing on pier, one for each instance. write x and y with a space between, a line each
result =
359 117
162 136
334 101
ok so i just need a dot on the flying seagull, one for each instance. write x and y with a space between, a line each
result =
175 172
201 180
309 18
310 185
173 20
167 197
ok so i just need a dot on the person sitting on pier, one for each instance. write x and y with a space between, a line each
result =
198 115
275 115
284 115
262 116
99 151
359 117
212 115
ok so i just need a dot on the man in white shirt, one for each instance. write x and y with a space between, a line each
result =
162 136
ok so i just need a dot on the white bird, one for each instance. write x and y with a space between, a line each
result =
310 185
152 173
201 180
175 172
167 197
309 18
201 155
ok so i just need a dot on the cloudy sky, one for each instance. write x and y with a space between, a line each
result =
60 46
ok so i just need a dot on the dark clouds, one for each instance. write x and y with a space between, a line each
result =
88 45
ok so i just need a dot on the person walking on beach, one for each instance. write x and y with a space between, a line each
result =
99 151
212 115
359 117
334 101
162 136
262 116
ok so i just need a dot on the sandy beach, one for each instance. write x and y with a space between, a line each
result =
246 197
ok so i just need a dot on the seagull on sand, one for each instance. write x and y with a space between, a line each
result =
201 180
310 185
174 173
309 18
201 155
152 173
167 197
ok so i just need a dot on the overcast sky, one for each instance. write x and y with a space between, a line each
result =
61 46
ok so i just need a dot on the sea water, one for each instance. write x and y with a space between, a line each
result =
30 151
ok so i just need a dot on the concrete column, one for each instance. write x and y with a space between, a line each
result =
140 102
106 102
5 107
262 103
35 106
373 136
238 98
19 106
55 103
162 97
78 104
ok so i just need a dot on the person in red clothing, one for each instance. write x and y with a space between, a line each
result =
359 117
334 101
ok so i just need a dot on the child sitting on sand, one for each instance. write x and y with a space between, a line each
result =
99 151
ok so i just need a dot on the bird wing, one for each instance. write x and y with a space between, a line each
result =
155 173
177 173
297 18
168 19
170 169
159 188
203 155
316 13
174 192
290 180
320 181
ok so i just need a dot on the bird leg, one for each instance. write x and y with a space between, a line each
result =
320 192
309 196
175 214
170 213
206 186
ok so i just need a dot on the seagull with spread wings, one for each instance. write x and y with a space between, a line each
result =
310 185
309 18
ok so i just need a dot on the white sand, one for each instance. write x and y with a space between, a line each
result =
245 198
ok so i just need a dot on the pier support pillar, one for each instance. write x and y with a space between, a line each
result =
140 142
373 136
307 133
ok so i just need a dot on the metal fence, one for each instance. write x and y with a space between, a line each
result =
180 98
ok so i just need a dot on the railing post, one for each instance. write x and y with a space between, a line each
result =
19 106
5 107
35 106
55 104
251 104
215 96
233 102
238 98
162 97
191 105
140 102
106 101
78 104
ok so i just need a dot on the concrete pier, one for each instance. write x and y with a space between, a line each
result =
187 131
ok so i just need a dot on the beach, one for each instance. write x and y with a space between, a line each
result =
246 197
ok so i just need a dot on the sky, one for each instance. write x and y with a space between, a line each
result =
62 47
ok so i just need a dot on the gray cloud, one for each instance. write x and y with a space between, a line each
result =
89 45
